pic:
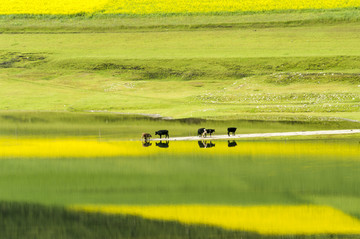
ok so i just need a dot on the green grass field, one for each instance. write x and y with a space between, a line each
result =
279 65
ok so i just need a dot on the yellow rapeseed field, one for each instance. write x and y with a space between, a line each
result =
77 147
163 6
274 220
206 6
51 6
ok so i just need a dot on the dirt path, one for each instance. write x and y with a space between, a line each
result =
261 135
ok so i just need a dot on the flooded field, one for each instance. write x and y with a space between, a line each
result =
288 187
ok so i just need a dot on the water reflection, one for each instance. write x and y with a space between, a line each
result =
146 143
205 144
163 144
232 143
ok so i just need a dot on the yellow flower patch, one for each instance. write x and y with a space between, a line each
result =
270 220
206 6
163 6
66 148
77 147
51 6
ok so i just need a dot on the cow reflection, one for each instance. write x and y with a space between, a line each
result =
146 144
163 145
205 144
232 143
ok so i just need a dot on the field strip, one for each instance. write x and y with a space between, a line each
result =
267 220
261 135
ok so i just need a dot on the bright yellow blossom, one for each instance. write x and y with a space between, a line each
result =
164 6
274 220
206 6
51 6
78 147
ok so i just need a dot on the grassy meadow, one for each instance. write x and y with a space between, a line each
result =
201 91
275 65
80 82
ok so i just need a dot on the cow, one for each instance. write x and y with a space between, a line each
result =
202 132
163 145
210 131
162 132
231 130
205 144
146 136
231 143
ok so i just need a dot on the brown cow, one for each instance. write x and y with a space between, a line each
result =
146 136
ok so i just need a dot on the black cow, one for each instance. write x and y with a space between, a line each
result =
163 145
202 132
231 143
162 132
231 130
210 131
205 144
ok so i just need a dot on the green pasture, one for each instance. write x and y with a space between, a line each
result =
275 88
314 40
286 65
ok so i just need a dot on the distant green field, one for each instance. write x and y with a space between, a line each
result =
302 41
292 65
119 23
274 73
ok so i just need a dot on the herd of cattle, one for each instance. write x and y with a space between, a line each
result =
202 132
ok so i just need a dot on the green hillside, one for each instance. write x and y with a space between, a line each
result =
265 65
